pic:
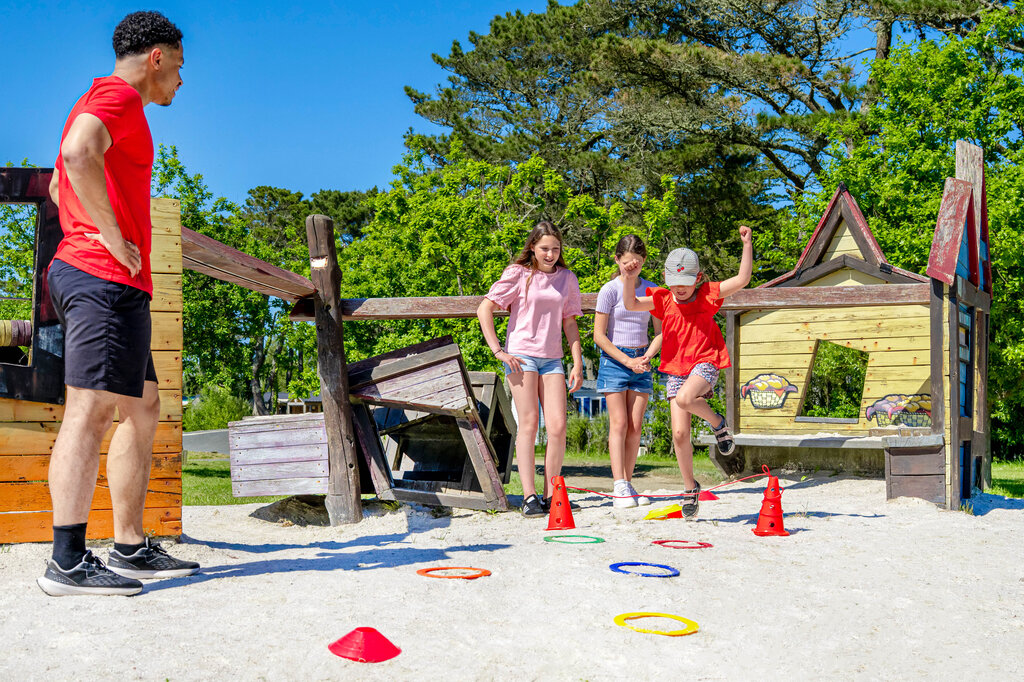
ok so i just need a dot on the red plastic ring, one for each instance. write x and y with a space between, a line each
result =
693 544
481 572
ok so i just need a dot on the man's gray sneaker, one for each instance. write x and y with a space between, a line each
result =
90 576
150 561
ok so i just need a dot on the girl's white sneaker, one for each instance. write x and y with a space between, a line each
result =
621 489
640 499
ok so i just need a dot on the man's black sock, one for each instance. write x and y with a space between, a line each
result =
128 550
69 545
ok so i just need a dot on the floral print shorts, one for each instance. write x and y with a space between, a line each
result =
705 370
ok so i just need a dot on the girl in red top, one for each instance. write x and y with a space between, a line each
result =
693 350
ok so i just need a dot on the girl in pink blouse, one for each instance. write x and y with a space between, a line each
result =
543 297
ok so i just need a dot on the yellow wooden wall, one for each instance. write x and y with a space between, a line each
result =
28 430
896 338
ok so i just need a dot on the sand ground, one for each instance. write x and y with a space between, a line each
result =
862 589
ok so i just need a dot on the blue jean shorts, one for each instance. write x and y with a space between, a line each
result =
541 366
614 377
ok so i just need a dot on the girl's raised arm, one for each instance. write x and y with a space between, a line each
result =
629 297
742 278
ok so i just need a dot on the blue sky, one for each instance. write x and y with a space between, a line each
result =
299 95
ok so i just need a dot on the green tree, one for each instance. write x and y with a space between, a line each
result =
896 156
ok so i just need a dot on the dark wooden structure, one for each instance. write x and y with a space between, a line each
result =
428 432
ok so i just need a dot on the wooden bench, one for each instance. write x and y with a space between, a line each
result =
913 461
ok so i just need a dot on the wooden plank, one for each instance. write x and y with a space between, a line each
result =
24 468
936 354
277 470
26 411
917 461
893 343
949 230
847 277
167 296
165 215
38 526
754 319
983 418
953 415
165 257
846 330
203 254
37 438
827 227
732 386
366 372
466 501
281 486
369 442
168 368
482 455
970 295
279 454
879 359
929 488
817 297
344 489
167 332
35 495
276 438
434 392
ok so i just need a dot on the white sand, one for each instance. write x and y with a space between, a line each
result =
863 589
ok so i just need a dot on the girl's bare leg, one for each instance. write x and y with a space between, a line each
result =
524 394
681 443
636 405
618 425
552 398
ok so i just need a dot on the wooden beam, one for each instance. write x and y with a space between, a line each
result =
414 308
210 257
343 488
820 297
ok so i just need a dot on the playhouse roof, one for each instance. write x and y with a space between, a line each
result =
842 210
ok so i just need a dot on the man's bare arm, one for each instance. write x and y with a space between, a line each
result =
82 151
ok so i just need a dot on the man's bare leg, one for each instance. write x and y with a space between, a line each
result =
129 460
75 460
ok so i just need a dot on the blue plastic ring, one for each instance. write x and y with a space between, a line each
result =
618 569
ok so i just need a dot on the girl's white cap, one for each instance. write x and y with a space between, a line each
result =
681 268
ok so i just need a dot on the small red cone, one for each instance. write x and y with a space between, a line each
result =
560 517
707 496
365 645
769 521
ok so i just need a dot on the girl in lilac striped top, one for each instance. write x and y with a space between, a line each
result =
624 375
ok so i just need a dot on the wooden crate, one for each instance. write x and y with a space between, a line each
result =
278 455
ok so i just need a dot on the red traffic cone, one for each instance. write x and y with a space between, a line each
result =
769 521
365 645
560 517
707 496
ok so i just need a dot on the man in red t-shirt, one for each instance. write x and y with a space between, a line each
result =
101 286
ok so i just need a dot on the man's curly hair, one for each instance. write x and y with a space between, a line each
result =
140 31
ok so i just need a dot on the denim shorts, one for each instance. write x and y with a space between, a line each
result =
614 377
541 366
704 370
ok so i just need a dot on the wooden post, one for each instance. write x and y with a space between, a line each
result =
343 487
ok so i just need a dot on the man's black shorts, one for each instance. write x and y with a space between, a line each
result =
107 331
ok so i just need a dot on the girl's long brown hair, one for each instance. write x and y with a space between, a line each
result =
526 258
630 244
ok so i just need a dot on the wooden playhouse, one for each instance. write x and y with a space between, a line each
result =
923 416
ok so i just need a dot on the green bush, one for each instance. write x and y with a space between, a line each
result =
213 409
597 434
576 433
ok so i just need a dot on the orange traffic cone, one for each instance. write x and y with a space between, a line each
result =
561 513
365 645
769 522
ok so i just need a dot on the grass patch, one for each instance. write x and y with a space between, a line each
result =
207 481
1007 478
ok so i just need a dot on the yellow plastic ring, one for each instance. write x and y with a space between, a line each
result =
691 627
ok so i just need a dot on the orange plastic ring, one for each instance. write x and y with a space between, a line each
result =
480 572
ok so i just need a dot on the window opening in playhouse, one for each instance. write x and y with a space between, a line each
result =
835 386
964 348
17 251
